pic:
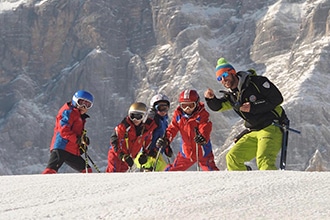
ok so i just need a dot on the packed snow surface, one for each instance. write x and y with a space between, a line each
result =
167 195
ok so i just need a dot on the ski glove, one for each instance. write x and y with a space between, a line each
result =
129 160
143 159
83 140
126 158
199 139
153 153
162 142
114 142
86 140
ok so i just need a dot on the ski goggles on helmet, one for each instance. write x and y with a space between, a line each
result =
223 75
187 105
162 107
84 103
136 116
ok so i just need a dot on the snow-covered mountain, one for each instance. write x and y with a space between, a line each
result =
123 51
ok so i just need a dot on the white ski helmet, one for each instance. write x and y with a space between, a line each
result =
158 98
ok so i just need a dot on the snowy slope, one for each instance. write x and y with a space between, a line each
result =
175 195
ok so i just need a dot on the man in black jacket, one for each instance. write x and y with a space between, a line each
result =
256 100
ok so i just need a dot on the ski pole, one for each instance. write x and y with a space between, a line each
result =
158 153
86 162
87 157
197 159
287 127
96 168
284 147
197 156
157 157
131 169
285 130
83 147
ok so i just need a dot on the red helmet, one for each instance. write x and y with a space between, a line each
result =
189 96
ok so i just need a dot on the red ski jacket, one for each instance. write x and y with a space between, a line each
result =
68 128
187 124
132 138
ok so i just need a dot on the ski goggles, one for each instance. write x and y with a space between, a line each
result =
136 116
162 108
187 105
84 103
223 75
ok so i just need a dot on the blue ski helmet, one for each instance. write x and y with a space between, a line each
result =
84 95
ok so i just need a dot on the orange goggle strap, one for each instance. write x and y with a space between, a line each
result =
222 70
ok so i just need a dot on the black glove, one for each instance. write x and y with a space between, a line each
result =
143 159
114 141
83 140
153 153
126 158
162 142
199 139
168 151
129 160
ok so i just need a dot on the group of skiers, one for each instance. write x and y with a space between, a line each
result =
143 138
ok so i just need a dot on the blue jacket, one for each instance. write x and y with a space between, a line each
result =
162 124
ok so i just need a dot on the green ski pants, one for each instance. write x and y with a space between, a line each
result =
263 145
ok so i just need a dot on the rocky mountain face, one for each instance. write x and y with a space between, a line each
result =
126 51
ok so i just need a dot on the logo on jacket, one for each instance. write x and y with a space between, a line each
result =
252 98
266 85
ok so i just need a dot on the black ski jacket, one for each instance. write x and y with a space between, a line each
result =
263 95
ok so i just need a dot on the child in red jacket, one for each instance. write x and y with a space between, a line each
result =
192 121
130 136
69 134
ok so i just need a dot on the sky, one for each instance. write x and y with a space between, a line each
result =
167 195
